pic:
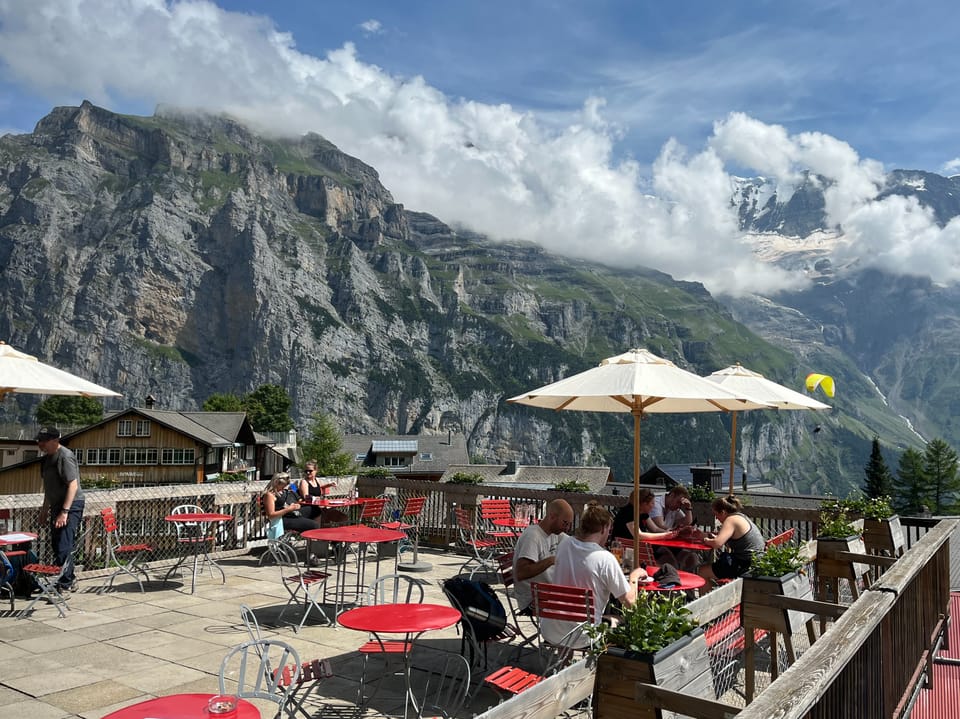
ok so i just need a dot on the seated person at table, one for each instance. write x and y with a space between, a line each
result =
624 528
533 554
672 511
283 503
738 533
311 486
582 561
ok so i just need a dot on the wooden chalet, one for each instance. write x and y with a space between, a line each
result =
148 447
411 456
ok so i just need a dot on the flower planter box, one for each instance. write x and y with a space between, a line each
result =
756 611
683 666
883 536
829 566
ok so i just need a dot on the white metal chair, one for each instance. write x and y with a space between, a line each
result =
312 672
193 539
305 586
259 670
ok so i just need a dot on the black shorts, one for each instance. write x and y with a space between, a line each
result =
729 567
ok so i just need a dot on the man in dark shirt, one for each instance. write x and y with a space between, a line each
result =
62 501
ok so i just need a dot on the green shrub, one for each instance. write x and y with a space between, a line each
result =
699 493
572 486
656 620
778 560
466 478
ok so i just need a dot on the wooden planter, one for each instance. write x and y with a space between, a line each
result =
829 566
756 611
883 536
683 666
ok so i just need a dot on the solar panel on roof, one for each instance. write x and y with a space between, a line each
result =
395 445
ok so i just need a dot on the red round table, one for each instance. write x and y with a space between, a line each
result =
688 580
411 620
361 535
681 544
198 543
182 706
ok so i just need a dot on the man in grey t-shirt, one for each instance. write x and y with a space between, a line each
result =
62 501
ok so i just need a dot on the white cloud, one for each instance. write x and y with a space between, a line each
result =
371 27
952 167
489 167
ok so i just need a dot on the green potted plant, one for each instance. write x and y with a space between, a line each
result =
882 533
779 569
839 532
657 641
701 497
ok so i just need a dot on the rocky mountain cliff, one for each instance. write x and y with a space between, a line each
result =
180 256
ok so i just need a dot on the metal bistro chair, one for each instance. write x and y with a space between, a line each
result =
312 673
389 589
482 548
303 586
116 550
528 638
492 510
258 668
445 690
408 521
556 602
47 578
193 539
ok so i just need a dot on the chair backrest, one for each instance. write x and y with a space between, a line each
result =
249 620
445 690
646 557
109 520
395 589
187 529
258 669
465 524
413 506
782 538
558 601
285 555
491 509
373 509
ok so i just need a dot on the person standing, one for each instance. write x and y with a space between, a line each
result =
62 501
535 550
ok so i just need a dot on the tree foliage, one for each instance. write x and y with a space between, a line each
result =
69 410
267 407
911 486
223 403
940 465
324 445
879 478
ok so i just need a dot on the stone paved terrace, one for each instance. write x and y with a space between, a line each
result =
123 647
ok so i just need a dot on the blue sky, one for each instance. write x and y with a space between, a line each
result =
505 115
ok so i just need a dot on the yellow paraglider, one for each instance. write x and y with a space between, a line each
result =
823 381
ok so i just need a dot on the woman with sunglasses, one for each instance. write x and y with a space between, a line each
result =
311 486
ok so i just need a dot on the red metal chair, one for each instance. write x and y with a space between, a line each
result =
482 548
408 520
47 578
372 511
303 586
505 562
115 551
571 605
492 511
782 538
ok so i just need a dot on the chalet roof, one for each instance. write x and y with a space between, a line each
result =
213 429
442 449
533 476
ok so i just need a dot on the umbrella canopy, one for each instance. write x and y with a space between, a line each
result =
24 373
739 379
638 382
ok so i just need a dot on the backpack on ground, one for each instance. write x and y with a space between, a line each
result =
480 606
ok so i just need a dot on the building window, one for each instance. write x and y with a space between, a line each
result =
102 455
393 462
172 455
426 456
125 428
143 427
140 455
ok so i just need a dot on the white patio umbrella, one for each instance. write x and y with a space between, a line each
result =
739 379
23 373
638 382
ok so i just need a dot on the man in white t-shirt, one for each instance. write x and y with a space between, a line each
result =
582 561
672 510
535 551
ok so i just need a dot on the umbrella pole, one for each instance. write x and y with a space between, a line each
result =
733 448
636 412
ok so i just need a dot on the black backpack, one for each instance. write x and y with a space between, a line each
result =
479 604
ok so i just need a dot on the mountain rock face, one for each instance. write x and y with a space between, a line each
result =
182 256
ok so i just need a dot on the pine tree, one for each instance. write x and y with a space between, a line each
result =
323 444
940 464
879 479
